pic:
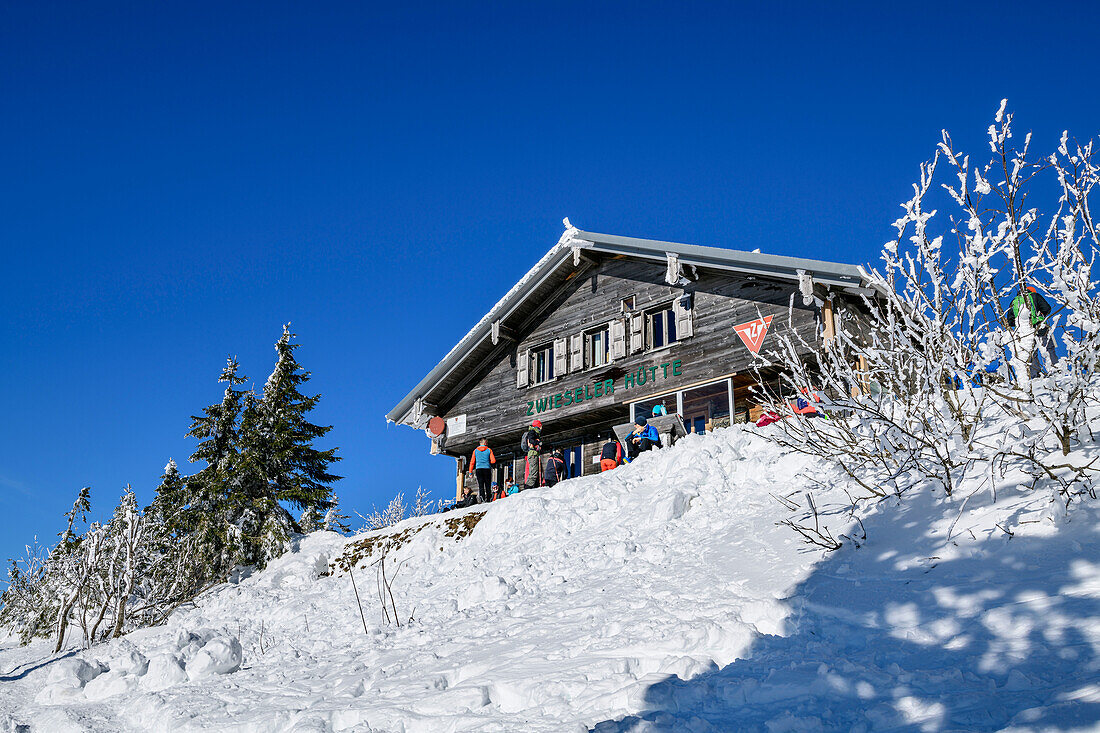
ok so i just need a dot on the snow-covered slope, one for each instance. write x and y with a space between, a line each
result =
660 596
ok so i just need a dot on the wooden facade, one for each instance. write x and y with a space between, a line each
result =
616 299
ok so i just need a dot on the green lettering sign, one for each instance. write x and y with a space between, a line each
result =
594 390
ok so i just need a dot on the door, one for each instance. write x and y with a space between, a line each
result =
573 467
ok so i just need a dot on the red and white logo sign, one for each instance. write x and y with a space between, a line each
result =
753 332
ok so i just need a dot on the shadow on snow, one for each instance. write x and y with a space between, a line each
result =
890 637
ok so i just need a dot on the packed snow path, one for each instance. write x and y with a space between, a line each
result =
661 596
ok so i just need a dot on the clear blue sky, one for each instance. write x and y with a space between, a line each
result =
178 182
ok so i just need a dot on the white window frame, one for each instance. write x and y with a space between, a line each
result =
667 313
604 332
546 351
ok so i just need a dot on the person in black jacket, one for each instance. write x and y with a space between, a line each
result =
555 468
468 498
612 454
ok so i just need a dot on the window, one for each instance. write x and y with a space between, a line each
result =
542 363
661 327
706 408
628 304
597 347
645 407
703 408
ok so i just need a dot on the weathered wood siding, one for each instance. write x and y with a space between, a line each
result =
494 406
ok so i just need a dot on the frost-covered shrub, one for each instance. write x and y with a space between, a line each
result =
913 398
394 512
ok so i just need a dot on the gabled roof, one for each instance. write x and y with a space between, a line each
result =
572 255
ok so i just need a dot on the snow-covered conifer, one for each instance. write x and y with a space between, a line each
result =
208 516
280 465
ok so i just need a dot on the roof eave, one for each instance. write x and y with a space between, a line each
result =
753 263
402 411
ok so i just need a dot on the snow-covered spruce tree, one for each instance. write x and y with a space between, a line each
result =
208 517
165 574
332 520
311 520
169 500
911 397
74 575
279 463
70 566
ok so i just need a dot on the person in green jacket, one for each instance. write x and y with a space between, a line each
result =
1026 317
531 444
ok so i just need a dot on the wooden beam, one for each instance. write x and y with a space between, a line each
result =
460 478
549 300
579 256
829 320
502 332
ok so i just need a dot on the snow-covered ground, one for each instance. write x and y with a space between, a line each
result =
660 596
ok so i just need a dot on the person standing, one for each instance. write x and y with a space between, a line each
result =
1026 317
482 461
643 437
531 444
612 454
555 468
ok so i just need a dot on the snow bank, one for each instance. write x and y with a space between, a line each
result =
660 596
192 655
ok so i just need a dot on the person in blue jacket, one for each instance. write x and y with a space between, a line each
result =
482 461
642 438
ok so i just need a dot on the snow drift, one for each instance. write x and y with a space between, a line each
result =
660 596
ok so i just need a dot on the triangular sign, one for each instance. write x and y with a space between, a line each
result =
753 332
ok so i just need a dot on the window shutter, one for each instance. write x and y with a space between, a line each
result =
637 327
523 368
576 352
617 330
684 325
561 358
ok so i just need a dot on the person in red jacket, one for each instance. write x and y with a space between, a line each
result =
482 461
